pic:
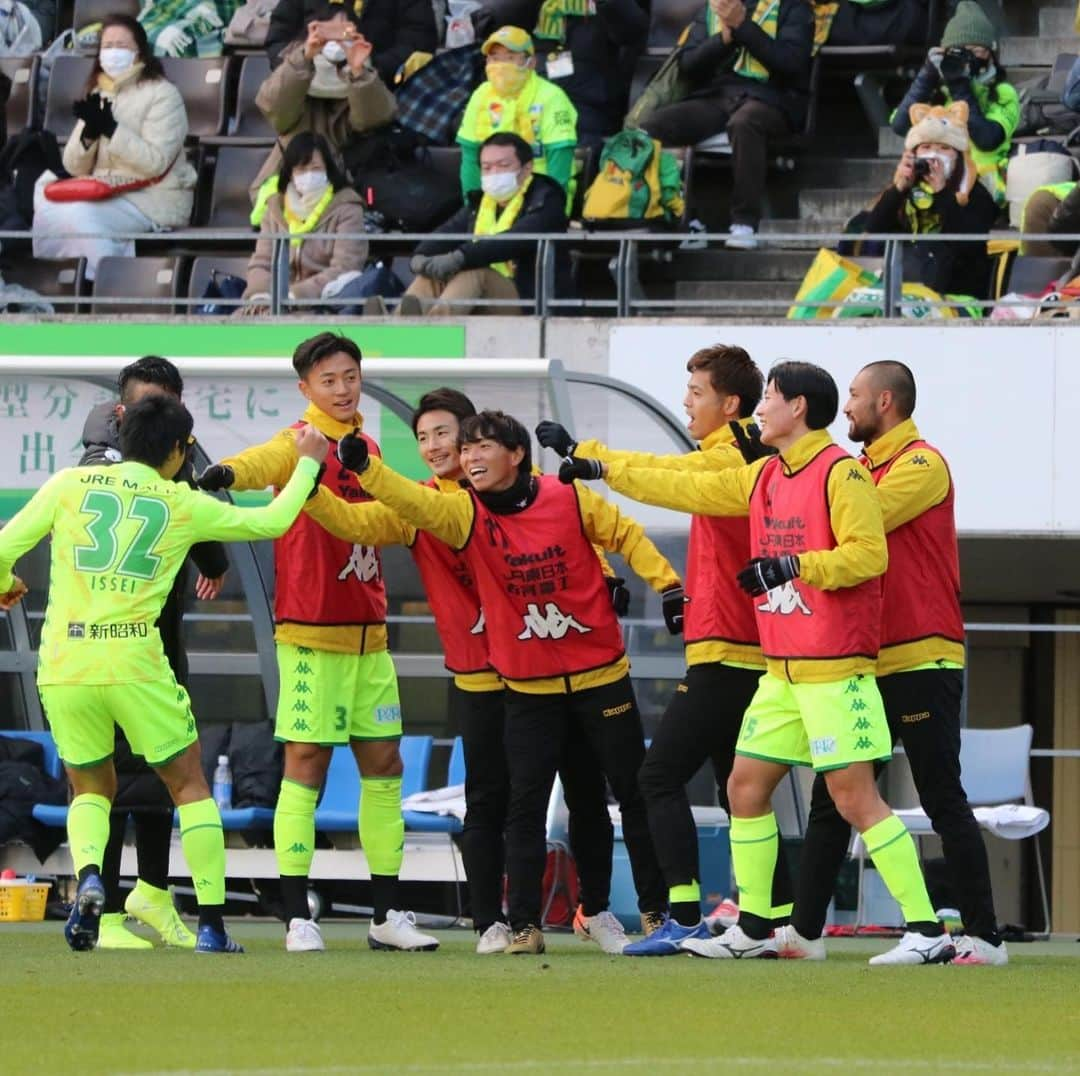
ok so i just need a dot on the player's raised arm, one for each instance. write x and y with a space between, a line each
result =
369 523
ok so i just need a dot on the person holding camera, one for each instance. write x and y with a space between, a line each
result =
935 190
964 67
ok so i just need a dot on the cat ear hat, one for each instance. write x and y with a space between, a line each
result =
947 126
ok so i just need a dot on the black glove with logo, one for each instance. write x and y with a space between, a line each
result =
673 603
585 469
748 442
765 573
216 476
552 435
352 451
620 596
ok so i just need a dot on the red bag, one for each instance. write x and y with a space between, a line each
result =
90 189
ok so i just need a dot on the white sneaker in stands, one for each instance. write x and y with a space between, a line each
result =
741 237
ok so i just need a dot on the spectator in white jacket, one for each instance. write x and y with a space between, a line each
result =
131 127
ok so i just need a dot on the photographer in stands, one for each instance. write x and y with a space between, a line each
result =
964 67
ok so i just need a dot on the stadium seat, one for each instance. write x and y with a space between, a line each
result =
429 821
455 773
91 11
56 280
67 84
203 267
202 83
446 161
21 73
53 766
1030 274
135 279
247 126
668 20
234 169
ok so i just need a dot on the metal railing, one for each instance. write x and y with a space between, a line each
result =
626 252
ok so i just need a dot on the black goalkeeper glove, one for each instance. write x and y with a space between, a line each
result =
748 442
552 435
216 476
620 596
352 451
584 469
765 573
673 603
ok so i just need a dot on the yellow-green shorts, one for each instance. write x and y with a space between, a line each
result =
329 698
155 715
827 726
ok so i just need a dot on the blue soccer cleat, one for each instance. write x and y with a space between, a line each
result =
84 922
666 940
215 941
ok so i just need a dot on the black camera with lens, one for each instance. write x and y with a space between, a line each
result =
921 168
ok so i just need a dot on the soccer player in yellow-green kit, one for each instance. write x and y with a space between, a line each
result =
119 536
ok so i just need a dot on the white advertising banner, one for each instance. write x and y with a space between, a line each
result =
1001 402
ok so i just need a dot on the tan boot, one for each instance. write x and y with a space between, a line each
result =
652 921
529 940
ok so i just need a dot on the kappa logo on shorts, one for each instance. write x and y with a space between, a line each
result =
301 707
478 627
784 600
861 725
858 705
303 669
388 715
552 623
300 725
301 687
76 631
864 743
826 745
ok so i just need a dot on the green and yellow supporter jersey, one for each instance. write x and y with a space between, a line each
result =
119 536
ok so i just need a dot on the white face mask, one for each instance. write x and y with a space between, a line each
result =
947 162
310 183
116 61
335 52
499 184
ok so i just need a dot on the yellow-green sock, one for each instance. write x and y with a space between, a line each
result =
382 828
294 828
755 843
203 841
88 830
896 858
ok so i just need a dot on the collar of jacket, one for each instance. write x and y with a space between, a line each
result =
330 427
515 499
890 444
722 435
111 85
805 449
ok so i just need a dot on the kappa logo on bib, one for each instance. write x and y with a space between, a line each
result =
552 623
363 562
478 627
784 600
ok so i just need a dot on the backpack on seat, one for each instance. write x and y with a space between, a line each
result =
636 180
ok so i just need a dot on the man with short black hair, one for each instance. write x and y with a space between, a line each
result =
818 549
920 668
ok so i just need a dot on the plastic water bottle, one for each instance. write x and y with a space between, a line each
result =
223 784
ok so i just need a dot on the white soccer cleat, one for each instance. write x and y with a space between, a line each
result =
399 932
495 939
733 944
971 950
602 928
304 936
791 945
918 949
724 915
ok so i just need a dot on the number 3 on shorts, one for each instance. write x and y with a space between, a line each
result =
138 559
341 717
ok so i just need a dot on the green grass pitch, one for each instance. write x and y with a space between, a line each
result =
572 1010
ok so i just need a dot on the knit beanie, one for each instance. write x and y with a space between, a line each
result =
969 26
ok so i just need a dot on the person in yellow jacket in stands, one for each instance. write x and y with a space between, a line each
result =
515 98
552 633
817 553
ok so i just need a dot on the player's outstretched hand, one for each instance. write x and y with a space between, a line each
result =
766 573
12 597
585 469
748 442
620 595
673 604
352 450
216 476
552 435
311 443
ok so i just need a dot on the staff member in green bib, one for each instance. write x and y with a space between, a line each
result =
457 278
515 99
748 69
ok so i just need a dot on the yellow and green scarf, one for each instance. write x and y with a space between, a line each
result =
551 19
491 220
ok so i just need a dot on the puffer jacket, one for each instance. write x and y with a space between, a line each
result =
322 257
149 139
283 100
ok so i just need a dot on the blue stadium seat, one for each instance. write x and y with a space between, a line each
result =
455 774
53 766
247 818
427 822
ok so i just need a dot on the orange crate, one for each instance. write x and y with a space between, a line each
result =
23 902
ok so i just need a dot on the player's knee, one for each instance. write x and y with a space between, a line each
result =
746 795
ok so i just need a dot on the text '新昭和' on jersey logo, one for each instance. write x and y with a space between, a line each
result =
552 623
363 562
785 601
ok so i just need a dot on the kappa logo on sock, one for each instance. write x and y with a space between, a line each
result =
203 883
297 847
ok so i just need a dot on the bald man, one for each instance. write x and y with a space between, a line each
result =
920 669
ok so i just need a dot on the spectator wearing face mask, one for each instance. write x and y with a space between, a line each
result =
315 205
455 278
935 190
325 84
514 98
131 126
964 67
